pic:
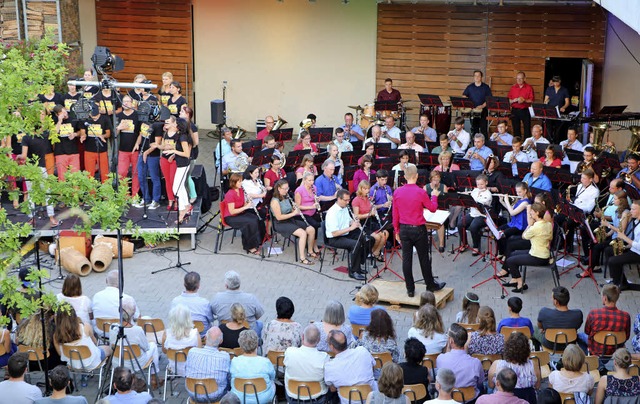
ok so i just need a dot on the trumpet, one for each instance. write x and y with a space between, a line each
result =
247 199
294 207
528 145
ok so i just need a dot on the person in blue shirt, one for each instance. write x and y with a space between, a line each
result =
326 185
366 300
478 154
536 179
478 93
502 137
514 320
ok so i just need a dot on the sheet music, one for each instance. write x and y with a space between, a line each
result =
437 217
492 226
593 238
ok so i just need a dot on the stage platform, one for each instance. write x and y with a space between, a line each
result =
395 293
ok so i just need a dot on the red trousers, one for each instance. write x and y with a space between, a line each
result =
91 159
168 172
126 160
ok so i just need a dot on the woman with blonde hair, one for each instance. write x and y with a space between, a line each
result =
619 386
445 165
366 299
232 329
429 329
571 379
390 386
180 334
362 210
306 166
486 341
163 92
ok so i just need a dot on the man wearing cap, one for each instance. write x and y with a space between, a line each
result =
556 96
94 135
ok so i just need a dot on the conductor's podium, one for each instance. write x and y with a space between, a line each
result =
396 293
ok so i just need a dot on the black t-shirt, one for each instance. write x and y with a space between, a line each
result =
66 146
174 106
16 143
49 103
163 97
70 100
105 104
90 91
194 148
182 161
94 127
556 99
149 133
230 337
169 142
39 146
477 94
129 135
415 374
552 318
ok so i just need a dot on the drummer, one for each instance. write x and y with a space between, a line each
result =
389 93
354 131
430 134
478 91
391 131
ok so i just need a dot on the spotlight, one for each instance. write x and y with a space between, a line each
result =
105 61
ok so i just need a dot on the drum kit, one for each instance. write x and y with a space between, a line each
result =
367 116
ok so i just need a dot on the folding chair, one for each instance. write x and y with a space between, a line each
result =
201 386
415 392
104 325
381 358
222 228
301 387
154 328
463 394
328 246
176 356
132 353
361 391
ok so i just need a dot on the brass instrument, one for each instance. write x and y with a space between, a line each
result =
529 144
568 191
294 207
305 124
247 199
583 166
628 176
600 233
634 144
599 129
279 123
618 246
237 132
241 163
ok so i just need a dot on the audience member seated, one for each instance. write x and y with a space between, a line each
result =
607 318
72 331
105 303
516 358
306 364
390 386
380 335
428 328
15 387
59 380
282 333
558 317
619 387
7 345
468 370
486 341
180 334
123 383
333 319
222 301
514 305
349 367
412 369
209 363
571 379
505 383
199 307
366 299
427 297
249 366
29 333
549 396
136 336
445 382
231 329
72 294
470 307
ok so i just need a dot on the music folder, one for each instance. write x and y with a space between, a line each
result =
436 218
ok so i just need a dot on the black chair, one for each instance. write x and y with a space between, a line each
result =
556 242
328 246
291 239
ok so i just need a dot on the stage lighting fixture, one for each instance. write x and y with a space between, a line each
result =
105 61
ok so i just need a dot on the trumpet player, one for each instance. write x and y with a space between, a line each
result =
478 154
430 134
589 159
353 132
631 237
631 173
502 137
391 131
531 143
269 123
572 143
339 140
364 210
516 155
458 137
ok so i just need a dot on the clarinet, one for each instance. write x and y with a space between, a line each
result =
353 217
247 198
389 199
316 201
294 207
373 207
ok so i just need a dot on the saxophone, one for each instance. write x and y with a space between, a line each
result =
294 207
247 199
618 246
600 234
568 191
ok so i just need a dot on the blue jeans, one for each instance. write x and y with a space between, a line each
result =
151 168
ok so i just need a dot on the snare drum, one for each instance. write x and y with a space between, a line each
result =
369 111
384 114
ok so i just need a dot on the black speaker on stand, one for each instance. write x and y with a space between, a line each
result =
217 112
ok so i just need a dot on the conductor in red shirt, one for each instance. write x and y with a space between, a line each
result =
409 202
521 97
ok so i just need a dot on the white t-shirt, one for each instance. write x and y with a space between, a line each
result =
438 401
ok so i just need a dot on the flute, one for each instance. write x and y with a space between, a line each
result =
294 207
516 197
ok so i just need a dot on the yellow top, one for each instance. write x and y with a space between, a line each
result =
540 235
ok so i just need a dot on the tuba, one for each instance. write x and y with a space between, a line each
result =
238 132
599 129
634 143
279 123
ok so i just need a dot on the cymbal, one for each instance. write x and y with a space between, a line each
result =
357 107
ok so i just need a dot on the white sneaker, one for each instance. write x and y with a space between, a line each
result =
153 205
451 232
138 204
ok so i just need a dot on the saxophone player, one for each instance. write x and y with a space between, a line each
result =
586 196
631 236
631 174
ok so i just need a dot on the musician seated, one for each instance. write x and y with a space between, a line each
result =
334 156
236 161
305 143
269 123
572 143
376 137
338 140
306 200
227 135
352 132
434 183
327 186
516 155
631 174
290 222
585 200
530 144
444 145
478 153
491 171
270 143
589 155
388 93
458 137
518 214
502 137
539 232
391 131
254 189
306 166
475 220
274 173
403 156
631 238
536 179
382 195
364 172
550 158
430 134
590 144
411 144
239 214
445 159
364 210
342 231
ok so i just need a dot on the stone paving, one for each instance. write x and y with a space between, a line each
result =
310 290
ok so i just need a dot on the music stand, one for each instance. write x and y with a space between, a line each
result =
543 111
494 234
430 99
321 135
612 110
498 104
262 157
461 103
585 223
383 163
282 135
382 149
560 176
386 106
428 160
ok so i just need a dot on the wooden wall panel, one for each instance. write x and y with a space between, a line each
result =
152 36
434 49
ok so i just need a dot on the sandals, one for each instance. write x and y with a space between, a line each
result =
379 257
313 254
254 252
305 261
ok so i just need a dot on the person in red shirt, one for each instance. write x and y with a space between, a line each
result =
239 215
389 93
269 122
409 202
521 97
607 318
306 144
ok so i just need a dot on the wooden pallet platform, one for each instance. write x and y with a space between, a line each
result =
395 293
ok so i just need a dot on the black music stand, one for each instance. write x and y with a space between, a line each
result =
321 135
544 111
574 155
494 234
498 104
612 110
262 157
386 106
461 102
466 201
560 176
585 222
383 163
282 135
430 100
427 160
382 149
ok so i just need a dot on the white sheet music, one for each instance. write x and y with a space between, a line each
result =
439 216
492 226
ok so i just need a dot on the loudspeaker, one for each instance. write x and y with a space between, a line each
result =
217 112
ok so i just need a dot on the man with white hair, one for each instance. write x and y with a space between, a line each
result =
106 303
306 363
209 362
222 302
